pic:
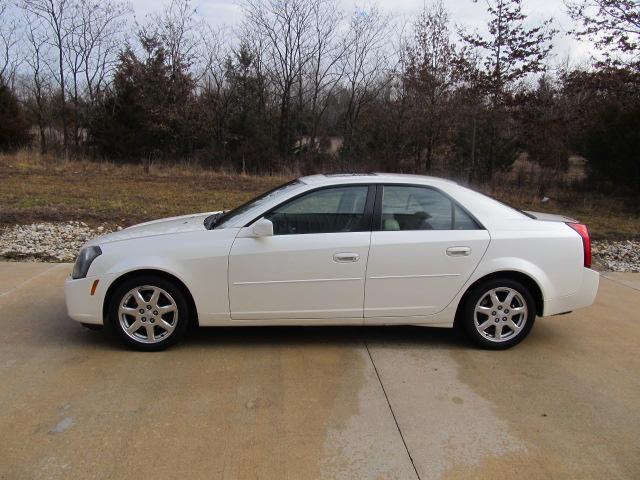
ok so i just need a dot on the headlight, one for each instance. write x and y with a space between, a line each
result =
84 261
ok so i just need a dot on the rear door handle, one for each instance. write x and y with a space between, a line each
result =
458 251
346 257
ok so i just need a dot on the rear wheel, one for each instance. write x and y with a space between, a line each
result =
498 314
149 313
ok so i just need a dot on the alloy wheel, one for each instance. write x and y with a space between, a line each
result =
500 314
148 314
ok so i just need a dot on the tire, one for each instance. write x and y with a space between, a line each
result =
509 323
157 319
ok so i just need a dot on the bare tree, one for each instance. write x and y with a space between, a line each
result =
210 56
91 48
56 16
103 23
39 85
325 70
284 28
180 32
74 53
9 58
211 73
431 75
613 25
365 60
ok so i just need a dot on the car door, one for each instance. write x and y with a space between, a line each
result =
424 247
313 267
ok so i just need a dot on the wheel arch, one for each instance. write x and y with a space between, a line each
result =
528 281
150 271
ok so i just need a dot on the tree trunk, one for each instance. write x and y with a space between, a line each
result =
65 136
43 139
283 134
76 121
473 149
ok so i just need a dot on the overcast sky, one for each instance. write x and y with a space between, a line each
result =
463 12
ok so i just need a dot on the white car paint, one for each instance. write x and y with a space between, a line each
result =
400 277
411 275
286 276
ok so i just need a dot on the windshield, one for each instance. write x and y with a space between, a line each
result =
224 220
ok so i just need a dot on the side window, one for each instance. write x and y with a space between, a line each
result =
462 220
330 210
421 208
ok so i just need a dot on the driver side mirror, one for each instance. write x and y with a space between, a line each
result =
262 228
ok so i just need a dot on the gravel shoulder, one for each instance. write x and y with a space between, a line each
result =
622 256
47 242
60 242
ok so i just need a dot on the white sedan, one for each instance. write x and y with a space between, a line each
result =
348 249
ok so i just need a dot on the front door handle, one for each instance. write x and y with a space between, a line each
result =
346 257
458 251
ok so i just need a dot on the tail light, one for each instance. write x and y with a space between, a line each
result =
583 231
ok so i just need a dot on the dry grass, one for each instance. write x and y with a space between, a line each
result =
35 188
608 218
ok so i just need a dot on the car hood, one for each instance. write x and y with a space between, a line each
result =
164 226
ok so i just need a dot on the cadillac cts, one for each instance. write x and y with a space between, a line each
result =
369 249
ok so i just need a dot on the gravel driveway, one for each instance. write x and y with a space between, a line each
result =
60 242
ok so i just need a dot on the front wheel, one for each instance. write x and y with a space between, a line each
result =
149 313
498 314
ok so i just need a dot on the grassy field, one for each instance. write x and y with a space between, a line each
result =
35 188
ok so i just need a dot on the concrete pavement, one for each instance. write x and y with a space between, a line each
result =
334 403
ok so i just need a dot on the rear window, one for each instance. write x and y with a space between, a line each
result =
511 207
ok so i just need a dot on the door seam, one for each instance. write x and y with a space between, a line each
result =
366 267
229 272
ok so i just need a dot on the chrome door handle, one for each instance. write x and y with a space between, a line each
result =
458 251
346 257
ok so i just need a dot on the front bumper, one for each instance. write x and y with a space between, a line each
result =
584 297
82 306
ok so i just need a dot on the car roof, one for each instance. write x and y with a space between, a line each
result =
339 178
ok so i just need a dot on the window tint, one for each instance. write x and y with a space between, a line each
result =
462 220
419 208
340 209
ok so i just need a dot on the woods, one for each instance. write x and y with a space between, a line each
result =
302 86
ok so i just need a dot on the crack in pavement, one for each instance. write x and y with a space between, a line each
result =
614 280
406 447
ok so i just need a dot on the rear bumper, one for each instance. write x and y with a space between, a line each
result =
81 305
584 297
